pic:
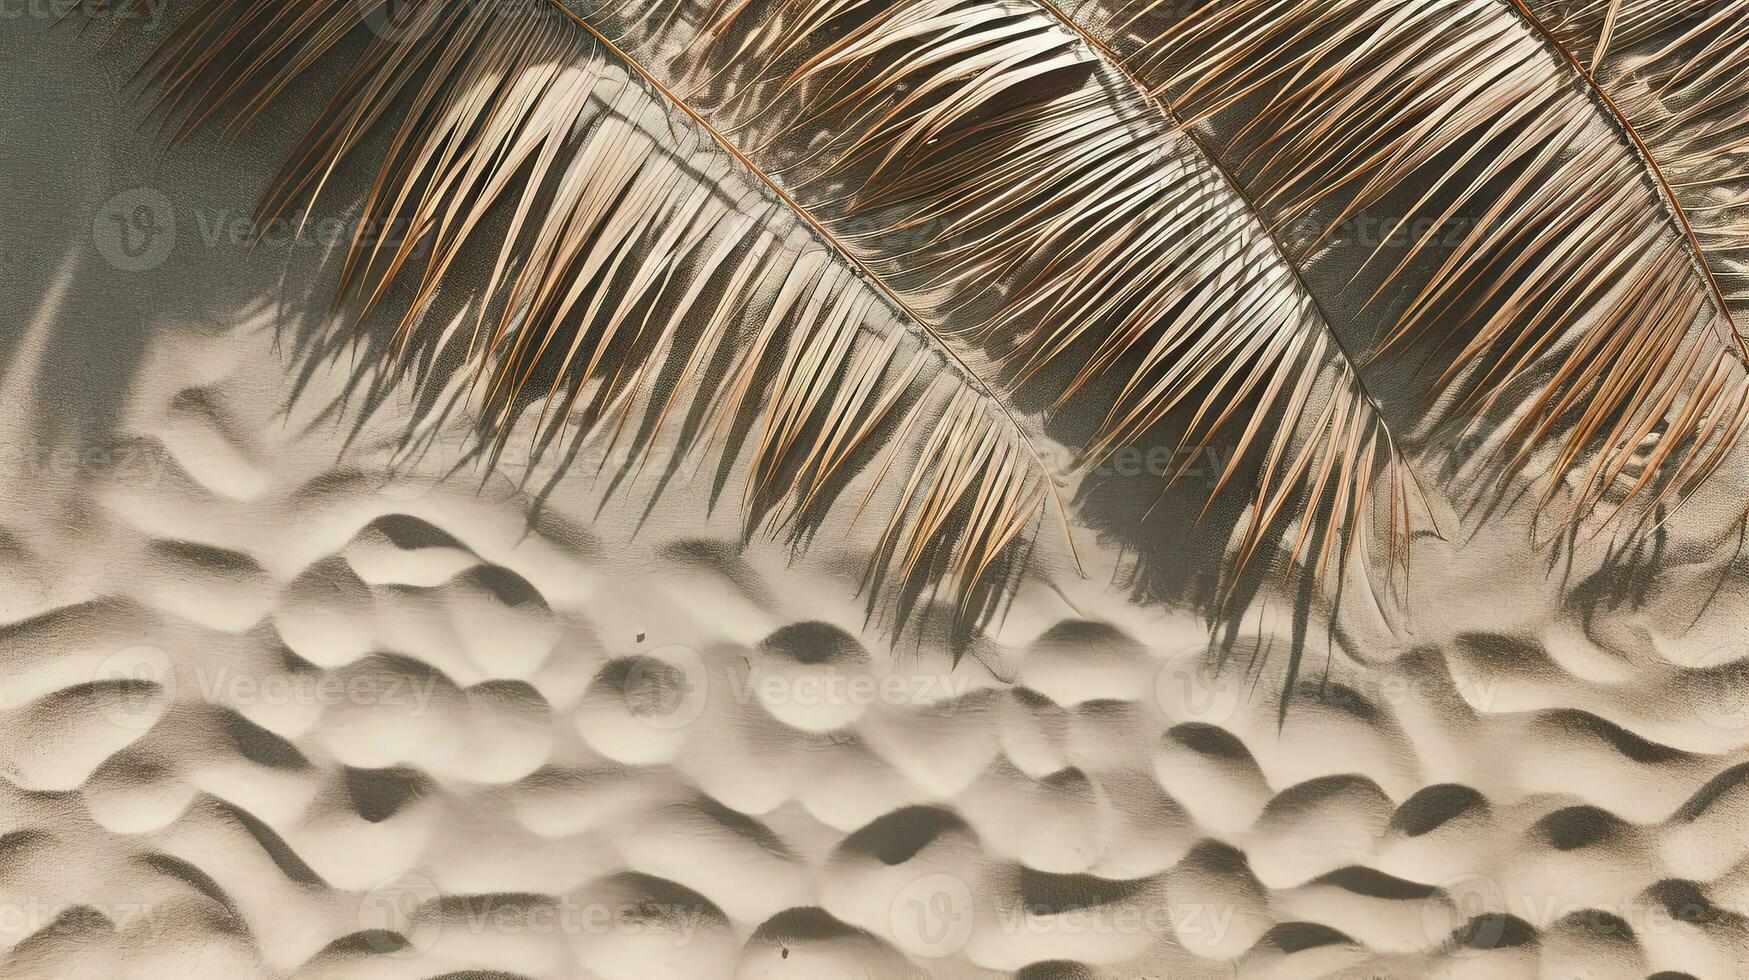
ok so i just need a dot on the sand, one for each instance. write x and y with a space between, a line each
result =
281 701
279 706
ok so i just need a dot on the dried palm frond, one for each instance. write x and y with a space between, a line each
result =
856 235
1673 74
1573 265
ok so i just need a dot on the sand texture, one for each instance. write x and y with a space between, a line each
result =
284 699
279 708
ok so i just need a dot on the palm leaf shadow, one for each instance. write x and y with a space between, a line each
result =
1139 225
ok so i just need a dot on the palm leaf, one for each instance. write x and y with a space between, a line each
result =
854 235
1671 74
636 245
1575 268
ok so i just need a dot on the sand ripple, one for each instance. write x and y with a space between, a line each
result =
277 712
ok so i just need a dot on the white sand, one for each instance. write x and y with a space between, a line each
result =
265 697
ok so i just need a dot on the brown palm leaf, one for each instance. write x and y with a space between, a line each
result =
858 237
